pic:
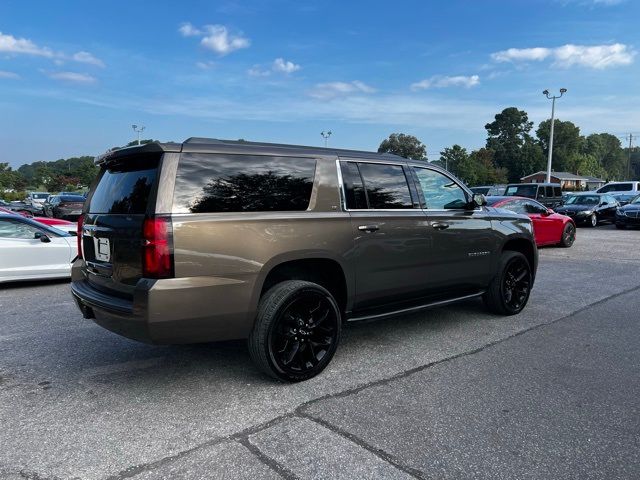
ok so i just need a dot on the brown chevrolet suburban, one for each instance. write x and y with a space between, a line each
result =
281 244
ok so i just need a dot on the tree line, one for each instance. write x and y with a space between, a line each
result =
512 152
66 174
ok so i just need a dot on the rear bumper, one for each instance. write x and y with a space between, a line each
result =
176 310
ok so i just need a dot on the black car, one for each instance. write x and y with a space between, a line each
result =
68 207
629 214
590 208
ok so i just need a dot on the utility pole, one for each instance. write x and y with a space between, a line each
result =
138 130
326 136
553 109
629 158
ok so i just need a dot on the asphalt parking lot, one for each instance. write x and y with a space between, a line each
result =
451 393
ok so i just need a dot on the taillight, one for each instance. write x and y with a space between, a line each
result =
157 248
79 234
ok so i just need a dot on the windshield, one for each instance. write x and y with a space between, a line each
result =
583 200
72 198
521 191
39 196
616 187
636 201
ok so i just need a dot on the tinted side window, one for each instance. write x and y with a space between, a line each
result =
125 188
386 186
549 191
440 192
532 207
557 191
541 193
353 186
242 183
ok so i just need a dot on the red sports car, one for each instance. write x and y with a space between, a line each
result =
549 228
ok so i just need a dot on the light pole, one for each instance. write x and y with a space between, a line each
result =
326 136
138 130
553 111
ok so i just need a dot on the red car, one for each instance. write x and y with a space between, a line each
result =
65 225
549 228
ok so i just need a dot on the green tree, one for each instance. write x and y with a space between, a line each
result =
457 161
567 143
514 148
607 150
406 146
486 171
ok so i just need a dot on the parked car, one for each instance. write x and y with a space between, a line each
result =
549 227
489 190
32 251
64 225
68 207
629 215
614 188
281 244
548 194
589 208
36 199
624 198
23 208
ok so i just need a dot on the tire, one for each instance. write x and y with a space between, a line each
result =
592 221
293 339
499 297
568 235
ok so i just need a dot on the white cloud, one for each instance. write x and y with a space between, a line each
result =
23 46
73 77
208 65
329 90
284 66
188 30
5 74
86 57
440 81
258 71
595 56
216 38
279 65
521 54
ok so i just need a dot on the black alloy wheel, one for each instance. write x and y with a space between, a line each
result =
516 284
297 331
509 291
568 235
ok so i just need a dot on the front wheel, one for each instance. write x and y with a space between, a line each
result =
568 235
296 332
593 220
509 291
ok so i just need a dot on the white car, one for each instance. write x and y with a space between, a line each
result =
621 188
32 251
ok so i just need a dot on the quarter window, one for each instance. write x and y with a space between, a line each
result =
242 183
440 192
385 185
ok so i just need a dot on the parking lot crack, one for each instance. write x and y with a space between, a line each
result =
379 453
265 459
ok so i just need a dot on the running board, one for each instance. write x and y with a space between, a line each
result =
417 308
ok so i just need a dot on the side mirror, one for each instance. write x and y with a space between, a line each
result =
478 200
43 238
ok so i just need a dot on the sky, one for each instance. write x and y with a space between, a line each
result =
76 75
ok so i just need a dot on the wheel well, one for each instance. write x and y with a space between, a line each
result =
523 246
324 272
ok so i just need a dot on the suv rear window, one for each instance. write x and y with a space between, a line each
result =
211 183
522 190
124 188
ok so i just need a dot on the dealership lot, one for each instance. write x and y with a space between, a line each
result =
453 392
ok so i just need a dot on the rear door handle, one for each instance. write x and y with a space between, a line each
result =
439 225
368 228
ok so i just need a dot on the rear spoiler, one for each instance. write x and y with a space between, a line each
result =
153 147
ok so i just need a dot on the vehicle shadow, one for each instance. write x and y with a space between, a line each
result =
26 284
